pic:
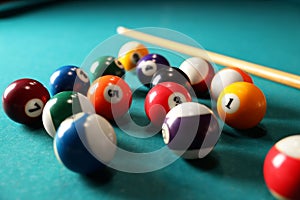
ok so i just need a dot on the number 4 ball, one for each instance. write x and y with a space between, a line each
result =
282 168
23 101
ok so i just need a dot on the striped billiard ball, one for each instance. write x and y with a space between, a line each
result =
191 130
282 168
62 106
84 143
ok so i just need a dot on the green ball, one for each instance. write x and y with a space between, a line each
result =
61 106
106 65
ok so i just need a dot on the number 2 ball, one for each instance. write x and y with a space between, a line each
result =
282 168
23 101
111 96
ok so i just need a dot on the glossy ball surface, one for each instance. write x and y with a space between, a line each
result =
106 65
191 130
282 168
226 77
241 105
23 101
84 143
171 74
69 78
162 98
130 53
111 96
200 73
62 106
148 65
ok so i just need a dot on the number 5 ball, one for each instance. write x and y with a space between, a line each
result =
23 101
241 105
282 168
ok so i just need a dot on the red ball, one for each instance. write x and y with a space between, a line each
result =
162 98
111 96
282 168
23 101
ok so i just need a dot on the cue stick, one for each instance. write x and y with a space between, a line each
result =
278 76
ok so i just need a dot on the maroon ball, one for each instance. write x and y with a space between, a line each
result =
23 101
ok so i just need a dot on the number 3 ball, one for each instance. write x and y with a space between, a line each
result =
162 98
111 96
241 105
69 78
282 168
191 130
84 143
23 101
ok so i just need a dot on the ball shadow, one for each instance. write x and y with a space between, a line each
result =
207 163
99 178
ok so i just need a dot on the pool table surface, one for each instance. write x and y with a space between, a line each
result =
36 40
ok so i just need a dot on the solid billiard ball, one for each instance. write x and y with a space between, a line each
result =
200 73
162 98
23 101
84 143
111 96
191 130
171 74
106 65
282 168
241 105
69 78
62 106
225 77
148 65
130 53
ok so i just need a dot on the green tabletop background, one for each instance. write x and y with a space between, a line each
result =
35 41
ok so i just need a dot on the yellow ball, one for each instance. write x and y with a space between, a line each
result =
130 53
241 105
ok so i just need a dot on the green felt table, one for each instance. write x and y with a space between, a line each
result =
34 42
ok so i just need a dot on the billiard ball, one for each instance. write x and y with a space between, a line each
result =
62 106
106 65
23 101
225 77
162 98
191 130
241 105
69 78
171 74
130 53
84 143
282 168
148 65
200 73
111 96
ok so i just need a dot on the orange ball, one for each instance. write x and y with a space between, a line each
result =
241 105
130 53
111 96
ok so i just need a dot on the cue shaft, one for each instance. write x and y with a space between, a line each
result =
278 76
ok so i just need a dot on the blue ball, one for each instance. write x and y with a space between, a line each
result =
69 78
85 143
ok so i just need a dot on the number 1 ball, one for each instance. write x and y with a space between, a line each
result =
191 130
23 101
111 96
242 105
282 168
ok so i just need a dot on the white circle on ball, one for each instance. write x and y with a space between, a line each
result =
34 107
113 93
175 99
82 75
230 103
290 146
148 67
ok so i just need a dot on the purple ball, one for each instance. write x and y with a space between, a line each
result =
148 65
191 130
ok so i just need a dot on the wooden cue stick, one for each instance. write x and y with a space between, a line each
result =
255 69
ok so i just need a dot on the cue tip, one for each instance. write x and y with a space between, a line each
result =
121 29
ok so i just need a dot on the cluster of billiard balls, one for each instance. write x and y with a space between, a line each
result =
81 106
